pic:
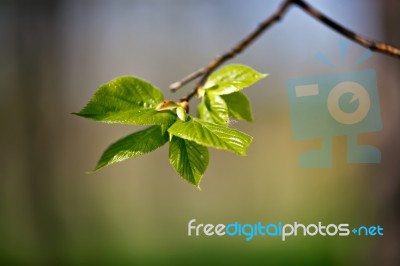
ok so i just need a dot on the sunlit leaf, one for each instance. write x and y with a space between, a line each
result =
133 145
238 106
204 113
213 109
127 100
211 135
232 78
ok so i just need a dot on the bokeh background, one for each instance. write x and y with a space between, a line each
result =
53 56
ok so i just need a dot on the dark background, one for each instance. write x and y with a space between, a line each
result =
53 56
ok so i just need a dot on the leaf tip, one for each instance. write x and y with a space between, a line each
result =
81 114
244 153
264 75
90 172
76 113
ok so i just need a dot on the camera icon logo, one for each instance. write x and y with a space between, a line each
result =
340 104
358 93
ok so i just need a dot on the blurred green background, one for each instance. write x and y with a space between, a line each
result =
53 56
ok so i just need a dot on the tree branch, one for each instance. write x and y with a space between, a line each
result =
204 72
369 44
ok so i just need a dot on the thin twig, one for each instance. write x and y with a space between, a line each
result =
204 72
372 45
175 86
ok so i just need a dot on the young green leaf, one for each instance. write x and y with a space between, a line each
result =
232 78
167 105
133 145
213 109
211 135
181 113
127 100
238 106
203 112
189 159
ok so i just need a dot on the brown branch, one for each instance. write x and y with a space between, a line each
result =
204 72
372 45
175 86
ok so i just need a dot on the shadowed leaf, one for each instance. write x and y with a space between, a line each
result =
189 159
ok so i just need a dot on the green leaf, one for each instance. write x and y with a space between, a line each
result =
204 113
189 159
213 109
232 78
238 106
181 113
127 100
211 135
133 145
167 105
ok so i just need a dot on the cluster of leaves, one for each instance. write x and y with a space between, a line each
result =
129 100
